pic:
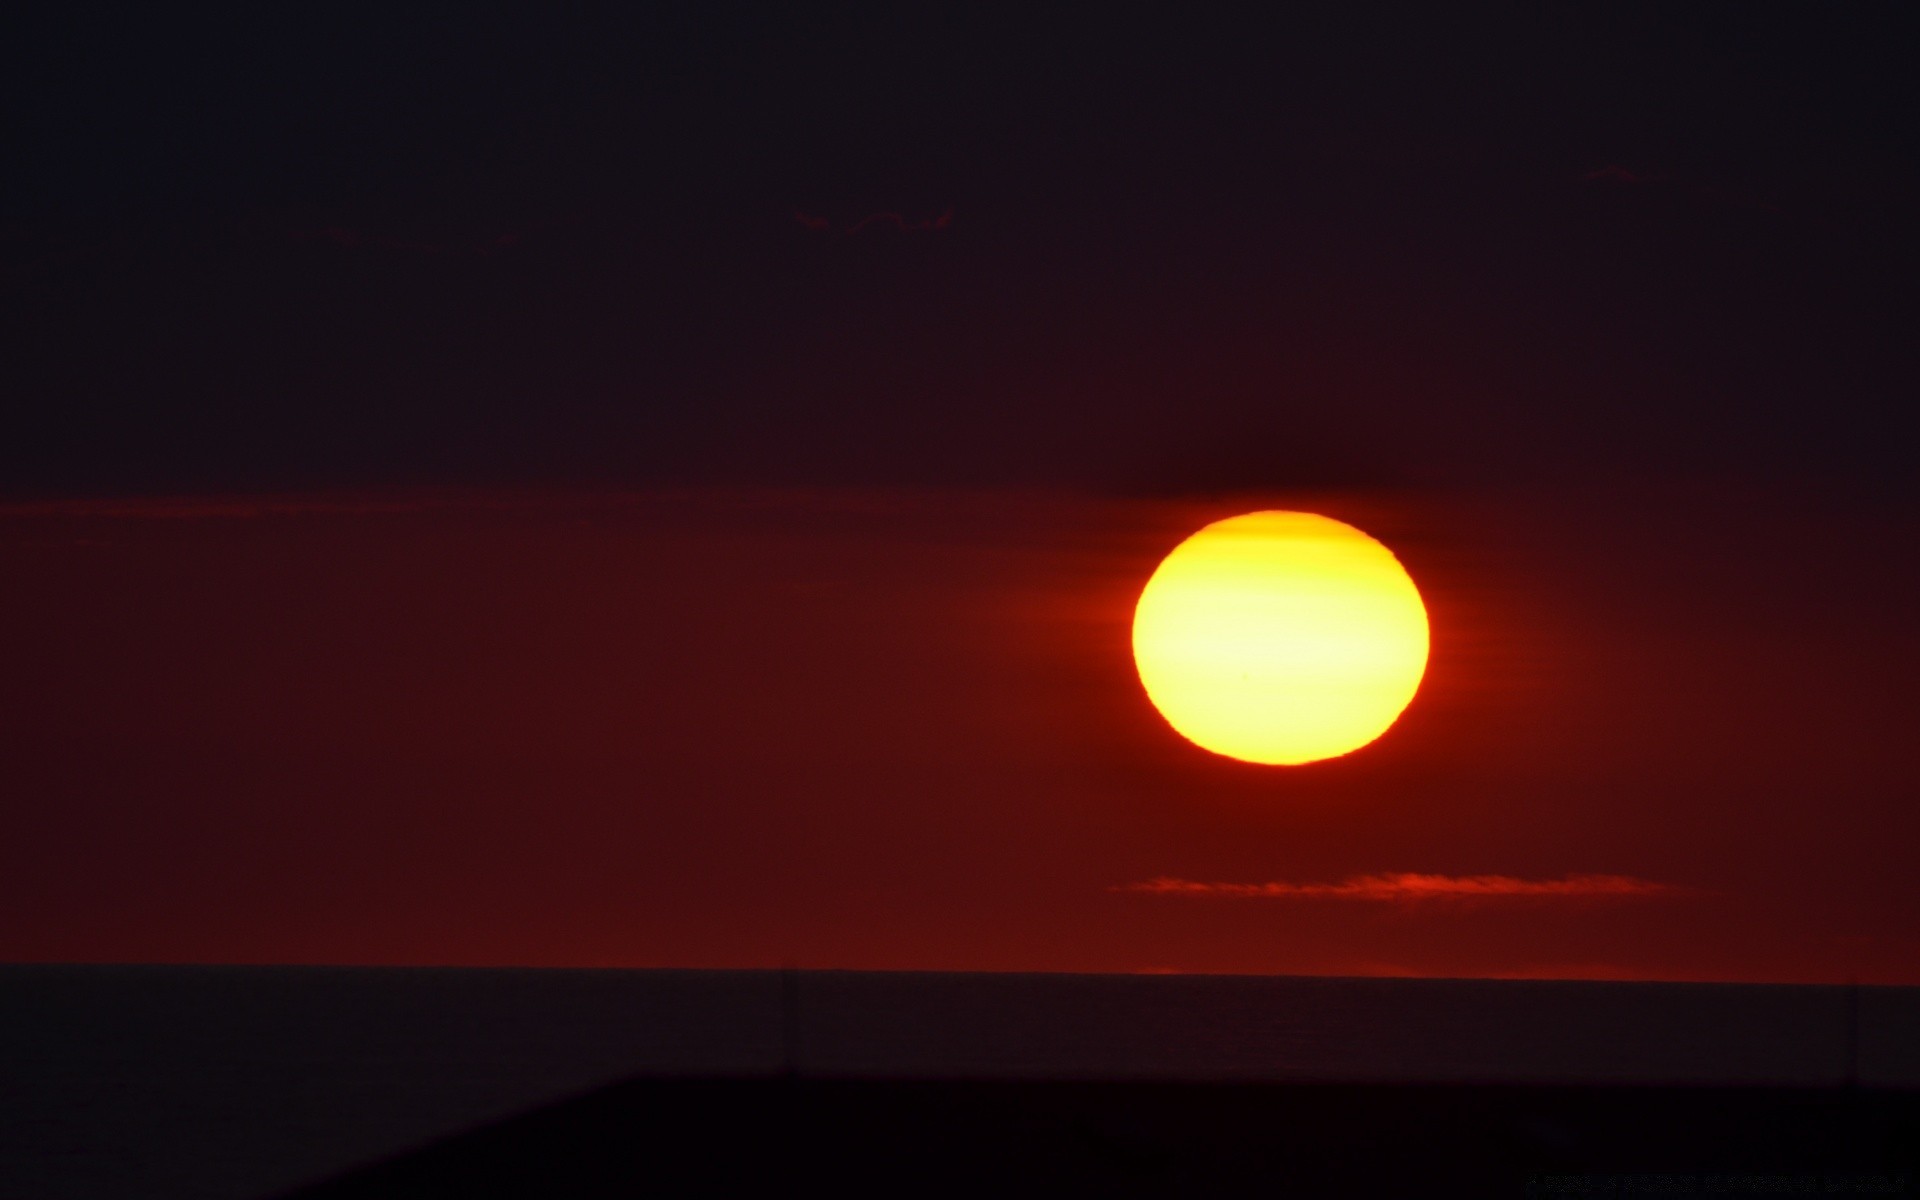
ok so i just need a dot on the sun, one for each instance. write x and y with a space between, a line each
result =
1280 638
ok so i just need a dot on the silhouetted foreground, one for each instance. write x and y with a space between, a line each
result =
232 1083
756 1136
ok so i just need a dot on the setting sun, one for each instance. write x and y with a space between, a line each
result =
1280 638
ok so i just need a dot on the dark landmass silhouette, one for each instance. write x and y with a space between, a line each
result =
891 1137
229 1083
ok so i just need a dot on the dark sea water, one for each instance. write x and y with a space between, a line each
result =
161 1082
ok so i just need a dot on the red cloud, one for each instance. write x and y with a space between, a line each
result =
1408 886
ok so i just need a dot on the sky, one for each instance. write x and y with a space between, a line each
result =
669 488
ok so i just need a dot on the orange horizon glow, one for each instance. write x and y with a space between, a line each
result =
1280 638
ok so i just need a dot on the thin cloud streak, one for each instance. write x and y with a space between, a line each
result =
891 220
870 500
1411 887
900 222
202 508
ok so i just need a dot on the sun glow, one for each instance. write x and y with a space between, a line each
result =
1280 638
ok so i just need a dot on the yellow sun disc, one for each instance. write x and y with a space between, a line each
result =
1280 637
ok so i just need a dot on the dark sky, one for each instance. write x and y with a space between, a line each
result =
667 485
